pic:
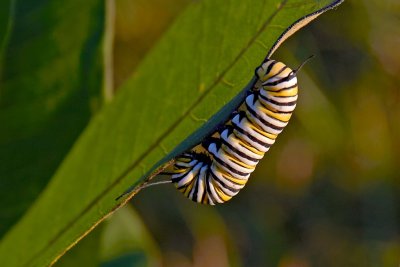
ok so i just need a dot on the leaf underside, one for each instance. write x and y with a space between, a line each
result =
204 60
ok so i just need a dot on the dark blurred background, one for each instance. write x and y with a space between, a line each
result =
327 192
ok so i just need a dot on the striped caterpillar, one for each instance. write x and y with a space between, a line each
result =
215 170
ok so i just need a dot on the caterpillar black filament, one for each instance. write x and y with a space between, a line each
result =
215 170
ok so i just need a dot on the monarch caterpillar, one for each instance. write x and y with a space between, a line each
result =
215 170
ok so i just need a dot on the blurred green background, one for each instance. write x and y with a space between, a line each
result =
325 195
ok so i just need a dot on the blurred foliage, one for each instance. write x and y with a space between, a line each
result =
327 192
50 85
138 26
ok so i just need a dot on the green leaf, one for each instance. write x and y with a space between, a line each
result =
206 58
86 253
127 242
122 240
6 20
50 82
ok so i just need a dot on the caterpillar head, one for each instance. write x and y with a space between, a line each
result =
274 76
272 70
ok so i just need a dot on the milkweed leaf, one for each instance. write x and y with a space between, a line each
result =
205 59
